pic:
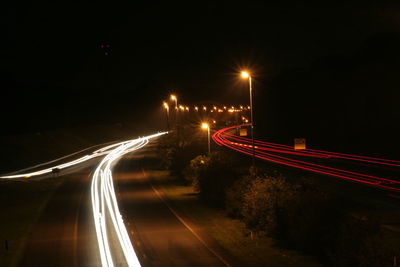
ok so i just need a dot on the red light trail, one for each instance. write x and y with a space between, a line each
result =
263 149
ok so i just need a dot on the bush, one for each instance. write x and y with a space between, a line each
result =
211 176
197 166
235 194
302 217
175 154
263 200
167 147
298 215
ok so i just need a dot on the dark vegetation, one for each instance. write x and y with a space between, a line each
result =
178 148
297 212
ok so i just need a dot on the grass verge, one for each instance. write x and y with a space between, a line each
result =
231 234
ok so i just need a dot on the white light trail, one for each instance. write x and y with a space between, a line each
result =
107 218
97 153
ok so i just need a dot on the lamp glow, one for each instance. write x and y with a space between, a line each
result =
245 74
165 105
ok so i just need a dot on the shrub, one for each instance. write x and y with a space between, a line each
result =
263 201
298 214
197 166
235 196
175 154
211 176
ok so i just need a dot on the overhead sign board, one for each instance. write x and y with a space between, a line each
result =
243 132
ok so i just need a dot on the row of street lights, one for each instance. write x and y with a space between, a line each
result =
206 126
212 108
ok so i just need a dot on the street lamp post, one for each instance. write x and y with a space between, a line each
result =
205 125
175 99
246 75
166 106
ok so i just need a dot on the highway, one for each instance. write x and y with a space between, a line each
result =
64 234
317 161
108 212
56 233
77 160
161 235
82 224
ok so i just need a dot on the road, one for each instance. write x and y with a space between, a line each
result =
374 172
66 235
160 235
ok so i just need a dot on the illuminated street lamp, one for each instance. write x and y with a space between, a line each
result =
174 98
166 112
205 126
246 75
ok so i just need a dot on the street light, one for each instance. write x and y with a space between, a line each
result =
246 75
166 112
205 126
174 98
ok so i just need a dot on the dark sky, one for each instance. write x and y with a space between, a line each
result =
322 71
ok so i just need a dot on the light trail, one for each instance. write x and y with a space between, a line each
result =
111 234
243 145
107 218
311 152
98 153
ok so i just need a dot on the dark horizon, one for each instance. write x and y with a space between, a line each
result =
325 73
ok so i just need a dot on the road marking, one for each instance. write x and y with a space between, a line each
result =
187 225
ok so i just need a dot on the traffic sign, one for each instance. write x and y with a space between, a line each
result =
299 143
243 132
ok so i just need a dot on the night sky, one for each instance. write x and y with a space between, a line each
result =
329 72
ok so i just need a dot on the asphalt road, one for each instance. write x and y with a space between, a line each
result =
65 234
160 235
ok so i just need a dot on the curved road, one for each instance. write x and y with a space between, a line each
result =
65 235
160 235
